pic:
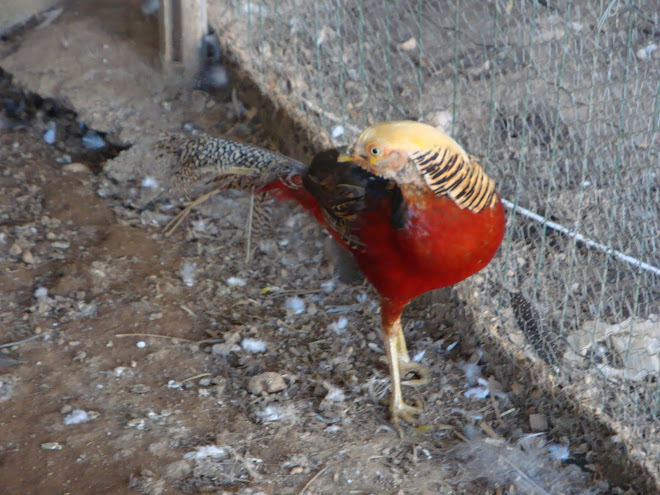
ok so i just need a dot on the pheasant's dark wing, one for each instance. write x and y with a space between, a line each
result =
345 192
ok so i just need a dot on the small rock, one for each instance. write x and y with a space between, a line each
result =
159 449
178 469
27 257
76 168
122 371
80 356
537 422
15 249
269 382
140 388
220 385
139 424
205 382
408 45
66 409
51 446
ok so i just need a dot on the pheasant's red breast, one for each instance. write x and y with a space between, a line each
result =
404 246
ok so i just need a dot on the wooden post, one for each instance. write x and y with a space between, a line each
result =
183 24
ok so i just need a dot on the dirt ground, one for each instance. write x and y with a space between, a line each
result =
133 362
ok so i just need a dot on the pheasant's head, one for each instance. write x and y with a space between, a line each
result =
389 149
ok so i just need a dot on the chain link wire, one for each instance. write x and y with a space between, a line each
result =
561 100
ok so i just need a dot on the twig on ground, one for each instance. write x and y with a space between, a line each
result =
174 223
311 480
120 335
190 378
18 342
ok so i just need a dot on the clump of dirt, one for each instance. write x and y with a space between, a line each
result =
59 125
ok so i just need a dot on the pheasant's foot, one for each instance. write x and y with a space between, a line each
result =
403 412
415 368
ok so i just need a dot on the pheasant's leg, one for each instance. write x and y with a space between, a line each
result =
392 329
406 365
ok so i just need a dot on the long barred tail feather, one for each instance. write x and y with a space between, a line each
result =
209 162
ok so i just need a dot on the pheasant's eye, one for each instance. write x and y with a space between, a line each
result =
375 151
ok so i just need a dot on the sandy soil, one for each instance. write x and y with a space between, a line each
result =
153 364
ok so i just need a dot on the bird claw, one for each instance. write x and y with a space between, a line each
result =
406 413
419 369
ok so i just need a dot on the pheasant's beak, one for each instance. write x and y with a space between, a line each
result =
343 157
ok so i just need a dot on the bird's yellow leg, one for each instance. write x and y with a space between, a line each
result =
398 408
405 364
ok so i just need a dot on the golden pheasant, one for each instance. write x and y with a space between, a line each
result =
417 212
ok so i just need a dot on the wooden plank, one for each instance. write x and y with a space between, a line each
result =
183 24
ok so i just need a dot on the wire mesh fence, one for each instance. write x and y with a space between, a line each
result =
561 101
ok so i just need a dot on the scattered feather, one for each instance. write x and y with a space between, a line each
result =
214 77
77 416
236 282
270 414
477 393
253 345
529 469
149 183
188 273
40 293
205 451
335 394
337 131
149 7
295 305
472 372
339 326
417 358
328 286
50 135
559 452
92 140
646 52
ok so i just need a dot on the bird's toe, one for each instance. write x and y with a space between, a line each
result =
421 371
406 413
